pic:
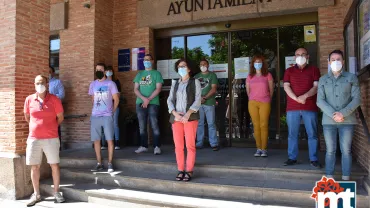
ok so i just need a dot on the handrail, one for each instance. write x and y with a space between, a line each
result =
75 116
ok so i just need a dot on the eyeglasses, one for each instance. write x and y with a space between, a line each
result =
303 54
182 66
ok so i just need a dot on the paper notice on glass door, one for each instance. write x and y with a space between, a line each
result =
172 74
220 70
242 67
162 67
289 61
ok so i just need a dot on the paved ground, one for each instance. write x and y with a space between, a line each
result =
233 156
48 203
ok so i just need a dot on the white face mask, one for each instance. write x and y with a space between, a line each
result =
336 66
40 88
203 68
301 60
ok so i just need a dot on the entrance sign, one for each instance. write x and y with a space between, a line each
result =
138 55
242 67
178 13
220 70
198 5
327 193
124 60
309 33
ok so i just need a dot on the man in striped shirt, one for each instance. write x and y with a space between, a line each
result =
300 85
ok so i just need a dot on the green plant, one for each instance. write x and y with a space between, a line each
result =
283 120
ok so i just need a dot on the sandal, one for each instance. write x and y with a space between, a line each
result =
180 176
188 176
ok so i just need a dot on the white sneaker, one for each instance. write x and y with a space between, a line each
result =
33 200
59 198
157 151
141 149
346 178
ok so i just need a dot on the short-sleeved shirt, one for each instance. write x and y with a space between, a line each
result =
301 81
206 82
43 116
147 81
103 92
259 88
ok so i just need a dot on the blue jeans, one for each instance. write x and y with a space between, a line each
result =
345 142
143 114
208 112
310 122
116 128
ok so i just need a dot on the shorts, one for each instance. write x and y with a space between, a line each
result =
105 122
35 148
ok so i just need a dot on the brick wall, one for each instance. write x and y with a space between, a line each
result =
103 31
127 35
77 69
7 81
24 53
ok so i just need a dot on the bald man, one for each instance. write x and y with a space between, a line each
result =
44 112
300 85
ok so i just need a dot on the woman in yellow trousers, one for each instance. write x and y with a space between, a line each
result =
260 88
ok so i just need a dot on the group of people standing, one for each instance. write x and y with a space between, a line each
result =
191 102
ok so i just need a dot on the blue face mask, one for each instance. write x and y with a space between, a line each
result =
148 64
109 73
183 71
258 66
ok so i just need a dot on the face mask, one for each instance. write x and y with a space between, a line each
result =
99 74
203 69
40 88
183 71
109 73
258 66
336 66
301 60
148 64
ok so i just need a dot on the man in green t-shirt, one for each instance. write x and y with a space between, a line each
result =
148 85
208 81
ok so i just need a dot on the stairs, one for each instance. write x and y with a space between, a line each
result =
140 183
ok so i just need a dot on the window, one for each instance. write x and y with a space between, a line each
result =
351 58
364 32
54 53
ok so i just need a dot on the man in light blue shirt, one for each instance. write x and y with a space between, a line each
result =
56 88
55 85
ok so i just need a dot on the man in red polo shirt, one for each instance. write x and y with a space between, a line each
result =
44 112
300 85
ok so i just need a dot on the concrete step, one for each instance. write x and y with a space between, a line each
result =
109 196
215 171
265 188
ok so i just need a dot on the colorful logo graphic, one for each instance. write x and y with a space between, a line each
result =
146 80
331 194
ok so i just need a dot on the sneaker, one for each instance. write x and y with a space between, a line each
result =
117 148
110 167
157 151
258 153
345 178
215 148
264 153
329 176
141 149
98 167
33 200
290 162
59 198
316 164
103 148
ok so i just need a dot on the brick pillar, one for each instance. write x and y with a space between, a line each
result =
24 53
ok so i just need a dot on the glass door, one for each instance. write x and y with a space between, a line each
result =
245 45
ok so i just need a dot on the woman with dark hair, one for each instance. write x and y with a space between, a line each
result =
109 72
184 102
260 88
